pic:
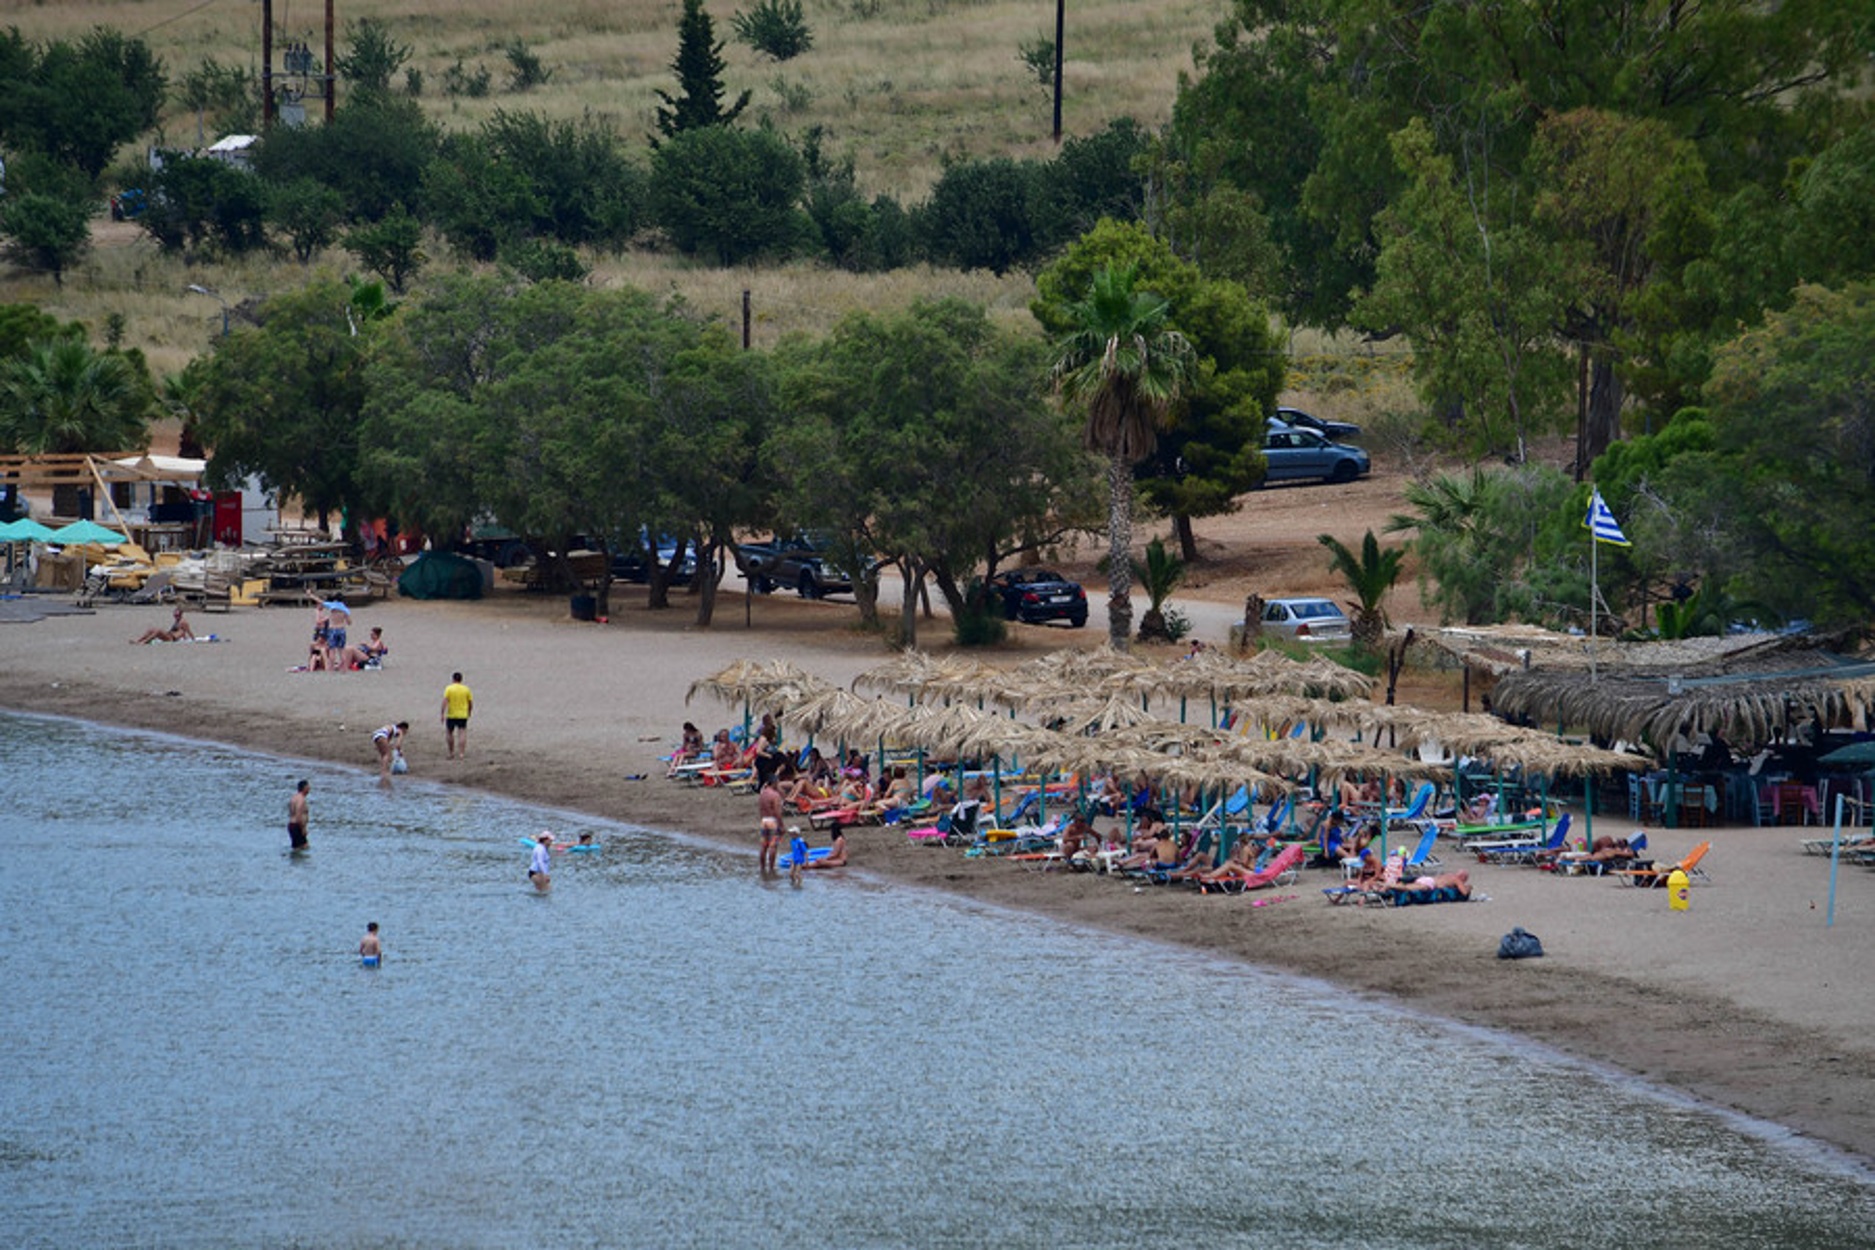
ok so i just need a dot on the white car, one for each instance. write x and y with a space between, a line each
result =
1307 620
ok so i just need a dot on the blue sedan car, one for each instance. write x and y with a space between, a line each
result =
1297 455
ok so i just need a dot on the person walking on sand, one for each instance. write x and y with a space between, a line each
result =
388 740
540 864
338 625
370 950
458 703
298 816
769 804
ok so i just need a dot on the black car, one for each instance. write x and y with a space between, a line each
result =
1036 595
1333 431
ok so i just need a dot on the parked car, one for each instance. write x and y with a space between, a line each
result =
1308 620
1333 431
629 564
1296 455
1036 595
800 561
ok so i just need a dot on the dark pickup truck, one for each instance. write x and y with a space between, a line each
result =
800 561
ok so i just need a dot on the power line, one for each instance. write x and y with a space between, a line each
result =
177 18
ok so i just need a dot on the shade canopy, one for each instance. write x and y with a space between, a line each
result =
85 532
25 530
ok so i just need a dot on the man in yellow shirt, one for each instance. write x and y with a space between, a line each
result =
457 704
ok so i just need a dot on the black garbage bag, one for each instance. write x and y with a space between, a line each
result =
1520 945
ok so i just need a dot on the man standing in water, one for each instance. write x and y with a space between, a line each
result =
298 816
371 951
770 807
458 702
540 866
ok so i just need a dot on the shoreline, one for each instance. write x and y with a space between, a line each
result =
1746 1002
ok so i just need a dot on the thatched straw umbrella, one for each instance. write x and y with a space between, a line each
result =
1083 716
770 684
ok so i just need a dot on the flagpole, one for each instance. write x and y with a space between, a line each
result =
1595 594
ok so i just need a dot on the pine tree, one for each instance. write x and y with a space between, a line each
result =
699 70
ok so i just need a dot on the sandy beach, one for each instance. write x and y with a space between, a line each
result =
1747 1000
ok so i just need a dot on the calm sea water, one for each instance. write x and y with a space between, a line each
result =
665 1052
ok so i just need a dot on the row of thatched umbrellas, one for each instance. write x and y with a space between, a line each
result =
1092 714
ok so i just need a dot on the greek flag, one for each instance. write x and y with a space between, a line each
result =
1602 524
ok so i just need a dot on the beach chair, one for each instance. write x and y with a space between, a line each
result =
1281 869
1852 844
1522 850
156 588
1416 810
1422 860
1654 877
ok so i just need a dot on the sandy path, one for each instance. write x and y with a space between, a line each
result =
1747 1000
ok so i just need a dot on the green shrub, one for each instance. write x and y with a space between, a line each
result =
1039 56
981 623
525 71
775 27
459 79
542 260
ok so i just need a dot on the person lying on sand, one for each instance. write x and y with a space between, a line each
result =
836 854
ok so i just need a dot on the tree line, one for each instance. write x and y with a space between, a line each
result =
1629 221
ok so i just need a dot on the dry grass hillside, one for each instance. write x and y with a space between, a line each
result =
902 85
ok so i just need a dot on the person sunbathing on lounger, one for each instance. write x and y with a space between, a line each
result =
899 792
1333 842
1370 873
1458 882
1356 794
692 748
1160 852
1604 850
1077 835
1241 863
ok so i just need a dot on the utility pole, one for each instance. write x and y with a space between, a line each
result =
1061 24
266 65
332 75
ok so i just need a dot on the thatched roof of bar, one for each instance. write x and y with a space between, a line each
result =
1745 708
1504 649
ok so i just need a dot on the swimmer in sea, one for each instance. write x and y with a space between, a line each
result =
298 816
769 804
370 950
540 867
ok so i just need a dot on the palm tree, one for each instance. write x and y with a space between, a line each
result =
1128 370
1370 576
62 397
1159 575
1448 536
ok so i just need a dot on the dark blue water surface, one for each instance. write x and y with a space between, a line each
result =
665 1052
